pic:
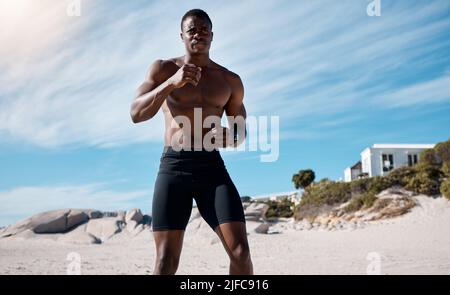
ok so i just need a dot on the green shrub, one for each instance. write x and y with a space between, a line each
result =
320 197
379 184
326 192
360 186
431 171
401 176
442 151
311 211
446 168
281 208
363 201
445 188
428 156
423 184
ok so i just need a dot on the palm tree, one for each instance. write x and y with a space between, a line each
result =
303 178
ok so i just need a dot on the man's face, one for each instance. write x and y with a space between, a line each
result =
196 34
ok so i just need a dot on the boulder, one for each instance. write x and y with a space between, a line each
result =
121 215
76 217
255 211
49 222
273 230
134 214
79 237
104 228
93 214
262 228
131 225
147 220
45 222
138 229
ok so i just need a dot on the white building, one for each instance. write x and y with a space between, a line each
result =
293 196
382 158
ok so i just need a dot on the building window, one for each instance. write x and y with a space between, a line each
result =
387 162
412 160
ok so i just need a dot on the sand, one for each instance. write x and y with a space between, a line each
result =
416 243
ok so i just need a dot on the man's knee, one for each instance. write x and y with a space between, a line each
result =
240 253
166 263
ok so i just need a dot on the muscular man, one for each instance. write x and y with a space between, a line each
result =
181 86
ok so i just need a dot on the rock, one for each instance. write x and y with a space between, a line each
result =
308 225
50 222
80 238
322 220
214 240
121 215
104 228
245 205
298 226
134 214
147 220
255 211
93 214
262 228
131 225
323 227
352 225
26 234
45 222
76 217
139 228
273 230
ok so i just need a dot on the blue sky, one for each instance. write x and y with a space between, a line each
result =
338 79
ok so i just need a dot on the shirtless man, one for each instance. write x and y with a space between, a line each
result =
178 86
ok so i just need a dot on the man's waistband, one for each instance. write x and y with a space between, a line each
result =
169 150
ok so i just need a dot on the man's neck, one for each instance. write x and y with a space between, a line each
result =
198 60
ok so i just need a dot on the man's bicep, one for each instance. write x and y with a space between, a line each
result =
152 78
235 105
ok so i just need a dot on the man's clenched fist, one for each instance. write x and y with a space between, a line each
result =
188 73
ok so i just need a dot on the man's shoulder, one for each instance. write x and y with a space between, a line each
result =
161 68
165 64
228 74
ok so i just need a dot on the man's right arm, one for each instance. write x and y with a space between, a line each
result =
151 93
157 86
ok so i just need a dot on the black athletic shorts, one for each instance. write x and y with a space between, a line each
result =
200 175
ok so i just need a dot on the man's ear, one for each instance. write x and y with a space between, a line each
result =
212 35
181 36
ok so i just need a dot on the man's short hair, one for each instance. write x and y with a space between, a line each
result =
197 13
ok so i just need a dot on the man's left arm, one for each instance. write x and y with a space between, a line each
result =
235 111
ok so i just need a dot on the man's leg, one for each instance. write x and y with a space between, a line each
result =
168 250
234 239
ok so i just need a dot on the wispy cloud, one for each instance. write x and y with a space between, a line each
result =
436 90
22 202
298 59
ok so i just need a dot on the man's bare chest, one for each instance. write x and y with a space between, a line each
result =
212 90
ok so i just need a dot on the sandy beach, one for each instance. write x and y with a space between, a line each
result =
416 243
